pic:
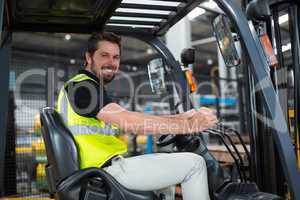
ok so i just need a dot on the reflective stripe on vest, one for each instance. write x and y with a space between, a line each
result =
90 130
96 139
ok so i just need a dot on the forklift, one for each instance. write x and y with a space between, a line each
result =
265 117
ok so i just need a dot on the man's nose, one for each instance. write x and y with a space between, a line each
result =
111 61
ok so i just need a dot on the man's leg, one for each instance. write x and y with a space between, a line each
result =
168 193
157 171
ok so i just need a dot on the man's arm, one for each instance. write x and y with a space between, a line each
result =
185 115
140 123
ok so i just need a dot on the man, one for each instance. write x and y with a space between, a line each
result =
95 120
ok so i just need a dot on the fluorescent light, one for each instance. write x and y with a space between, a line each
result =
133 10
131 25
149 51
72 61
67 36
210 61
284 18
136 19
149 2
286 47
195 13
210 4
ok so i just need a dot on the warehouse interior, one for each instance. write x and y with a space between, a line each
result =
43 44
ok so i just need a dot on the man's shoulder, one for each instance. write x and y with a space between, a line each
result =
82 85
81 77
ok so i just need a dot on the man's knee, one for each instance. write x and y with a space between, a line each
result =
197 160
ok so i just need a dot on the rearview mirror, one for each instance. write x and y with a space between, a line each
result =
221 28
156 75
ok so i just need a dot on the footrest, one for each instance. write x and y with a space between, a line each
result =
244 191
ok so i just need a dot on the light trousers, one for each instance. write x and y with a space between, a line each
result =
154 172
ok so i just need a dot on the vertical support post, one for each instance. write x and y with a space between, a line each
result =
222 73
2 4
177 44
295 37
250 105
4 82
51 87
220 83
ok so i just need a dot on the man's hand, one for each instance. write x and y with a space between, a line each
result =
202 119
188 114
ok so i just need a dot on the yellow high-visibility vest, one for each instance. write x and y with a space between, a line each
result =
95 139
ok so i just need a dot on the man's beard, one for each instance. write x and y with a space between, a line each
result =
108 80
102 78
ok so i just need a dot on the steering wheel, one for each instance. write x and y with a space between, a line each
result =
165 140
184 143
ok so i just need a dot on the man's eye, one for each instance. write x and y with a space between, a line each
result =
104 55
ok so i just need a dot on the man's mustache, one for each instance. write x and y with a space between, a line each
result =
109 67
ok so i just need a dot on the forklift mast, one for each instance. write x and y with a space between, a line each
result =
285 42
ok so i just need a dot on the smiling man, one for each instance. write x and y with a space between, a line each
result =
95 121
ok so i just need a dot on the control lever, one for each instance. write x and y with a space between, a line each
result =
240 139
214 132
241 166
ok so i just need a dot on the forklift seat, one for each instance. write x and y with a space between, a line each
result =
65 179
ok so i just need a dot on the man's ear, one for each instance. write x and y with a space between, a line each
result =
88 58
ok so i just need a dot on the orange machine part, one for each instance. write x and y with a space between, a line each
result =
191 80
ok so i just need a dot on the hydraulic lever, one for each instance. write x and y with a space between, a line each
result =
217 133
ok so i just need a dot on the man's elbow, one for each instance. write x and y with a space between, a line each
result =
111 113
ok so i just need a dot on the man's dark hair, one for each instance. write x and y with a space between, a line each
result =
93 40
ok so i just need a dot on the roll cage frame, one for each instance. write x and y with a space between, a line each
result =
12 20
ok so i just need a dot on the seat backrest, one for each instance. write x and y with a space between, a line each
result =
60 145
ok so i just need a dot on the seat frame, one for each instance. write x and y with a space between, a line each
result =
65 178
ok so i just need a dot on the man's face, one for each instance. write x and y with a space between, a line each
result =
105 61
